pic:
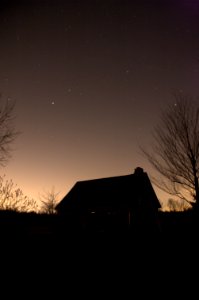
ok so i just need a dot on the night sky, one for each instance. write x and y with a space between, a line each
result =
90 79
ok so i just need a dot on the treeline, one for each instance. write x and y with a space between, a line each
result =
34 225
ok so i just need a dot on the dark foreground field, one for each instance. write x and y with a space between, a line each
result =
58 235
44 227
50 258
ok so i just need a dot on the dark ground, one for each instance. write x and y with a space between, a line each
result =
48 260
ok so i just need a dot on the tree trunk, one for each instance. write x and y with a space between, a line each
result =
196 184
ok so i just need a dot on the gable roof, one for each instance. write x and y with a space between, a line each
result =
127 191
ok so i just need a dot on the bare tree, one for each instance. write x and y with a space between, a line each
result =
12 197
175 150
49 200
7 131
177 205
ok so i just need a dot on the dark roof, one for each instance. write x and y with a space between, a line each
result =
119 191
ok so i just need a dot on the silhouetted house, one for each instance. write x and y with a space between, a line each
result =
114 202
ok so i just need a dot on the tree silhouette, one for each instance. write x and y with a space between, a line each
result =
175 150
12 197
49 201
7 131
177 205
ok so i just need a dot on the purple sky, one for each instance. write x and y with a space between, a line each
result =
89 79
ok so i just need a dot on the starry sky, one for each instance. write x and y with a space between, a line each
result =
90 79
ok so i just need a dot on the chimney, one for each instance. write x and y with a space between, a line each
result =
138 171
